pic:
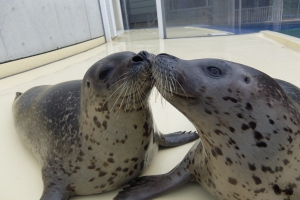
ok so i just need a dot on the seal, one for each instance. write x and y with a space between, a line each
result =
96 134
249 128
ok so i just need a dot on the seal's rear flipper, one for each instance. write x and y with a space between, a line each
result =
148 187
177 138
17 95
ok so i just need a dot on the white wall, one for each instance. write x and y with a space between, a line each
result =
36 26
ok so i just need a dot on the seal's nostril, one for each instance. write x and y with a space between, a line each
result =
137 59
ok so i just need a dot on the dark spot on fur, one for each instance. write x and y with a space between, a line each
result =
228 161
102 173
290 139
261 144
252 125
110 160
118 169
239 115
104 125
256 179
147 131
90 148
135 126
258 136
232 181
142 165
125 169
98 124
92 179
103 108
271 121
218 132
146 146
276 189
219 151
207 111
245 127
285 161
231 129
249 106
230 99
267 169
252 167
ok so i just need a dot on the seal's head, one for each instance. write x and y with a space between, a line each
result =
121 80
224 98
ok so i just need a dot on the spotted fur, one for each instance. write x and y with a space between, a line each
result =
249 125
96 134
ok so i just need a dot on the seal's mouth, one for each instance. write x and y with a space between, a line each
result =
181 96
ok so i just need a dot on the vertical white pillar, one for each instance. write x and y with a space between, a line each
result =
160 18
105 19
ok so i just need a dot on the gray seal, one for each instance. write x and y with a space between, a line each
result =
96 134
249 128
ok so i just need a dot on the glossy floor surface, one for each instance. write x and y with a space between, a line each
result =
20 171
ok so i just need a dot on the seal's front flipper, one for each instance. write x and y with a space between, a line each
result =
54 193
53 190
148 187
177 138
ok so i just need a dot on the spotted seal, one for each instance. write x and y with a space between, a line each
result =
96 134
249 128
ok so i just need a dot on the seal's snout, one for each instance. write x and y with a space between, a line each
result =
165 60
146 56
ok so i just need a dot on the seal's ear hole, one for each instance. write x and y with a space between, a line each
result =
247 79
103 75
137 59
88 84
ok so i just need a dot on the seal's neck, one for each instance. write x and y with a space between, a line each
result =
102 119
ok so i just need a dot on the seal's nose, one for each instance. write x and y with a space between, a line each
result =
147 56
137 59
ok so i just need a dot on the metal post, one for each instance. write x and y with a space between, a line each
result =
161 19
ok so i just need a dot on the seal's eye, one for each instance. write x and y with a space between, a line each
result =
213 72
103 75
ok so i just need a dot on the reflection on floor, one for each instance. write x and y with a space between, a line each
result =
19 167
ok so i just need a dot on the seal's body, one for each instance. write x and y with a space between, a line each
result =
96 134
249 125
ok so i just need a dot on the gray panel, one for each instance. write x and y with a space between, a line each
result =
94 18
150 9
33 26
79 19
65 21
2 49
18 31
42 15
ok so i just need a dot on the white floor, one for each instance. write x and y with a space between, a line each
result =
20 171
